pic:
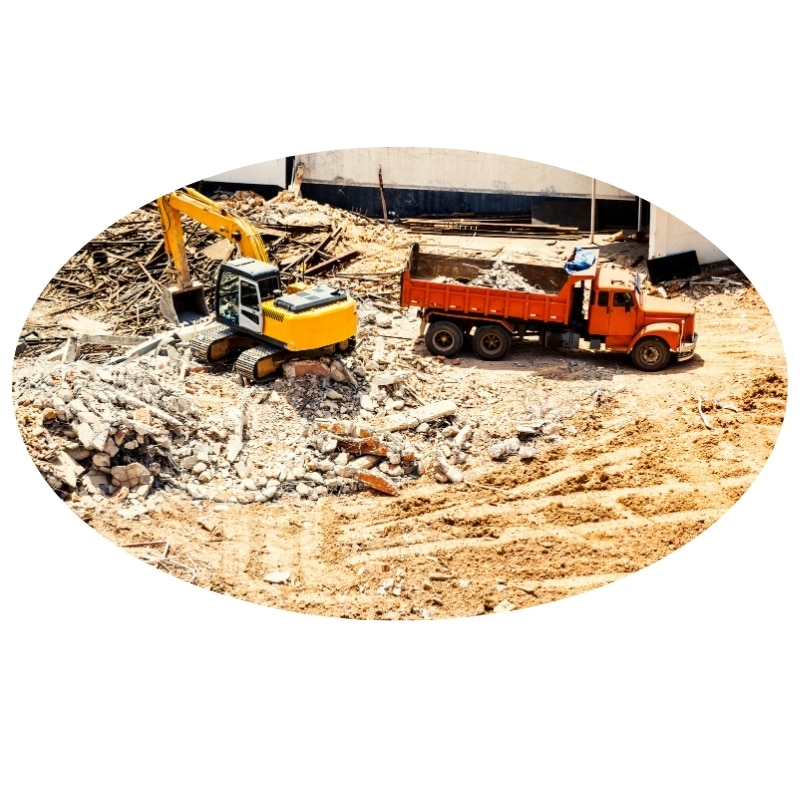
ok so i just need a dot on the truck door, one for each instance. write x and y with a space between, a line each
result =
613 313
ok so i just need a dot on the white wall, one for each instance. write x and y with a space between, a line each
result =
668 235
265 173
459 170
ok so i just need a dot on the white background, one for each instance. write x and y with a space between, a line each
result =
118 681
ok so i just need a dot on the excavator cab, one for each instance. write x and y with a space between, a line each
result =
243 285
251 300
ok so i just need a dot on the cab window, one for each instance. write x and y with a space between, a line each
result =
622 300
249 294
228 297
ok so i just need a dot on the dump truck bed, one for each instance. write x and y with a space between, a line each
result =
434 281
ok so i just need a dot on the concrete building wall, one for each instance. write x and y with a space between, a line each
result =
265 173
448 171
433 181
668 236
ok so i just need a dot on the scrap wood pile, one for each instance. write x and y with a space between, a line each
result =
117 278
505 225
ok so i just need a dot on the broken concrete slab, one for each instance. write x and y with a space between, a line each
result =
504 449
279 576
423 414
389 378
67 469
376 482
300 367
131 475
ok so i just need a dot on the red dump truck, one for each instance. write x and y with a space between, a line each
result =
601 305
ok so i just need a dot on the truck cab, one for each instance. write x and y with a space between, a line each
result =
648 328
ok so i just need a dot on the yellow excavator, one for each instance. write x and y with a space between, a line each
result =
261 322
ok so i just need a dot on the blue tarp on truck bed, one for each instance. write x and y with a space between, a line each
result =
582 258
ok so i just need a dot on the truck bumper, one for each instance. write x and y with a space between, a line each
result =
686 349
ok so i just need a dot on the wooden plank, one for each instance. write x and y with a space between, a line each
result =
326 266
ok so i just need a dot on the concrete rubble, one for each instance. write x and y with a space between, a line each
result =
130 430
123 418
498 276
501 277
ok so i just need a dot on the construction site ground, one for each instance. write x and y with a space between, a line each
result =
625 467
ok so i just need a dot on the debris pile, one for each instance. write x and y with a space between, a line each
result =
134 428
709 283
126 431
499 276
118 277
504 225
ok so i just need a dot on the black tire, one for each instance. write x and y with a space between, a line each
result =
444 338
651 354
491 342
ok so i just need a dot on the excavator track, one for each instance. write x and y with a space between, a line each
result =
218 344
253 361
256 363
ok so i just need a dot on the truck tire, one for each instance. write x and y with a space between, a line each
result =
491 342
651 354
444 338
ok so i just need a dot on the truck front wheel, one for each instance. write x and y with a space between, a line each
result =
650 354
491 342
444 338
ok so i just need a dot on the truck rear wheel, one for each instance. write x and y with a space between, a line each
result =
650 354
491 342
444 338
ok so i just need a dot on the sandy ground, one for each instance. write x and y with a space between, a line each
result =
643 463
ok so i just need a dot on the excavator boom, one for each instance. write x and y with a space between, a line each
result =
185 301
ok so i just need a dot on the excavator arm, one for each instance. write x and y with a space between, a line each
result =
184 301
213 216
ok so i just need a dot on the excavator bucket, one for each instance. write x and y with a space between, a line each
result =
183 304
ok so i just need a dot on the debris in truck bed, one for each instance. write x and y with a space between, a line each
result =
499 276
